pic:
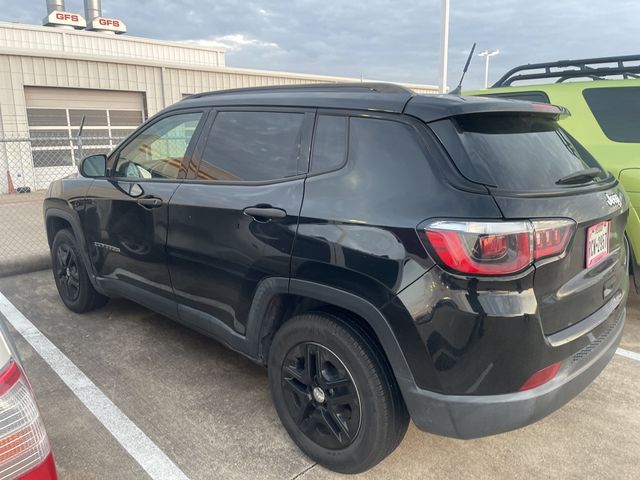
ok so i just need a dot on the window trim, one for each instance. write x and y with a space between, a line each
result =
308 125
112 160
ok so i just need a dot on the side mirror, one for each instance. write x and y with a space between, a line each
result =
94 166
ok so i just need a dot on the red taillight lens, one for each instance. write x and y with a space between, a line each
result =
484 248
24 446
497 248
45 471
551 237
546 107
493 246
541 377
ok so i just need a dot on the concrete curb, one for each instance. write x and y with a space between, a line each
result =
27 264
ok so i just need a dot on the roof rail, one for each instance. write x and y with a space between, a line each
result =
593 68
379 87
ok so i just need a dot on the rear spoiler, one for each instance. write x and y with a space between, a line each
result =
430 108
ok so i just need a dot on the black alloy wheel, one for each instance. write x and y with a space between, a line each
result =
334 391
70 275
67 272
324 400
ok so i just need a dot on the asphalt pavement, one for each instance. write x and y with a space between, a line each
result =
209 411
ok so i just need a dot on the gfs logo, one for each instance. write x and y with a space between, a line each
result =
613 200
67 16
109 22
58 17
103 24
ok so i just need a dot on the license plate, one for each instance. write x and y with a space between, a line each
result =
597 243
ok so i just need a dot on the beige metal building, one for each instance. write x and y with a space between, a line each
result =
51 78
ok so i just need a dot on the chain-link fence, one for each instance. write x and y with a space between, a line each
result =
29 165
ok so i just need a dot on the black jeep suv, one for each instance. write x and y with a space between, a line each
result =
457 261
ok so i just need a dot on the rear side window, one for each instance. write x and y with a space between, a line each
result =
329 144
252 146
617 111
513 152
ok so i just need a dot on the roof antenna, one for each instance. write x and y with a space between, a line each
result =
458 89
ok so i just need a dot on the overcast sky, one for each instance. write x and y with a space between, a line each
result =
383 40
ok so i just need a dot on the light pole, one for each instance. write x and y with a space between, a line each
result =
486 54
444 46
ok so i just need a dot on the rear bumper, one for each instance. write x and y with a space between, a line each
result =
472 416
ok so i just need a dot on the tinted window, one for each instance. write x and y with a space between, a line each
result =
94 136
329 143
539 97
513 151
47 117
50 138
126 118
387 164
51 158
158 151
91 118
252 146
617 111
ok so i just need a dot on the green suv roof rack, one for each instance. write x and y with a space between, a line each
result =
593 68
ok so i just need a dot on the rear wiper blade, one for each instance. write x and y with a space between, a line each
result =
583 176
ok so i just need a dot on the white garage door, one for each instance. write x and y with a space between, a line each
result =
55 114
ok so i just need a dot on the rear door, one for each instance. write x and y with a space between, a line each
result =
126 214
537 171
233 221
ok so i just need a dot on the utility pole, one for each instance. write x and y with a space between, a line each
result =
444 46
486 54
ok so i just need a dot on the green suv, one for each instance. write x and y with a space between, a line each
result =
603 96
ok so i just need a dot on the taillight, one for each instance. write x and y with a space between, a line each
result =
497 248
24 446
550 237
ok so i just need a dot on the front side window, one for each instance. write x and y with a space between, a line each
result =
158 151
252 146
617 111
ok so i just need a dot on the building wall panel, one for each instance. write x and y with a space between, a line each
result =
94 43
33 57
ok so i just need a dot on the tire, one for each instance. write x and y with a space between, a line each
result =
70 274
357 417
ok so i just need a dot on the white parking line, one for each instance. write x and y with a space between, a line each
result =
128 434
629 354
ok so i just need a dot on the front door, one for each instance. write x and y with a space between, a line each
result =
233 223
126 213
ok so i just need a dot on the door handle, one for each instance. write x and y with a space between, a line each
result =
150 202
264 214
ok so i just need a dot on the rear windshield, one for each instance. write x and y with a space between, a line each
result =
516 152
